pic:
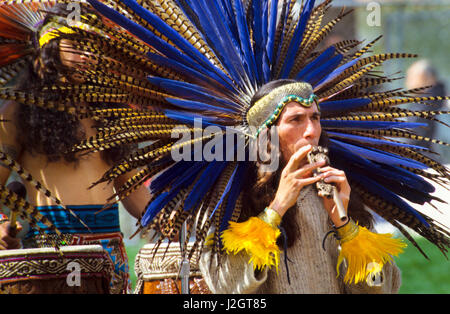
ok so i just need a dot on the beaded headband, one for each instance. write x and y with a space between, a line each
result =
266 111
287 99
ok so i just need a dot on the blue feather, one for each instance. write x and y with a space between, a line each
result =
385 174
148 37
165 178
258 35
218 38
244 38
189 91
393 180
371 140
187 178
409 178
225 192
183 181
286 12
265 58
196 105
354 166
190 11
173 36
204 183
317 62
142 33
315 76
335 73
343 105
155 207
225 8
271 30
264 20
188 71
378 189
233 193
381 156
228 29
190 118
297 38
379 125
260 12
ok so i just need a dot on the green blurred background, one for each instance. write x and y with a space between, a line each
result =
423 276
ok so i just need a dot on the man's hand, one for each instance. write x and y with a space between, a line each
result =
293 178
338 178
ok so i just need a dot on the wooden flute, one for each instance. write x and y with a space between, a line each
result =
327 190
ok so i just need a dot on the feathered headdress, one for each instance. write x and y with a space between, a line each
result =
178 61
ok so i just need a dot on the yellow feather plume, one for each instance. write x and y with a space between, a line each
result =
257 238
366 252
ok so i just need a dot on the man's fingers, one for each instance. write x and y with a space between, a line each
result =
338 177
332 174
297 157
309 180
335 179
307 169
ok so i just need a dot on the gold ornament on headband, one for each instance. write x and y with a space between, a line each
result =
53 30
266 110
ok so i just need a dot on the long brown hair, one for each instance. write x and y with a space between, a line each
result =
49 132
260 186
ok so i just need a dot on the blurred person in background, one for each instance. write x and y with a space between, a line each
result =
40 140
423 74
